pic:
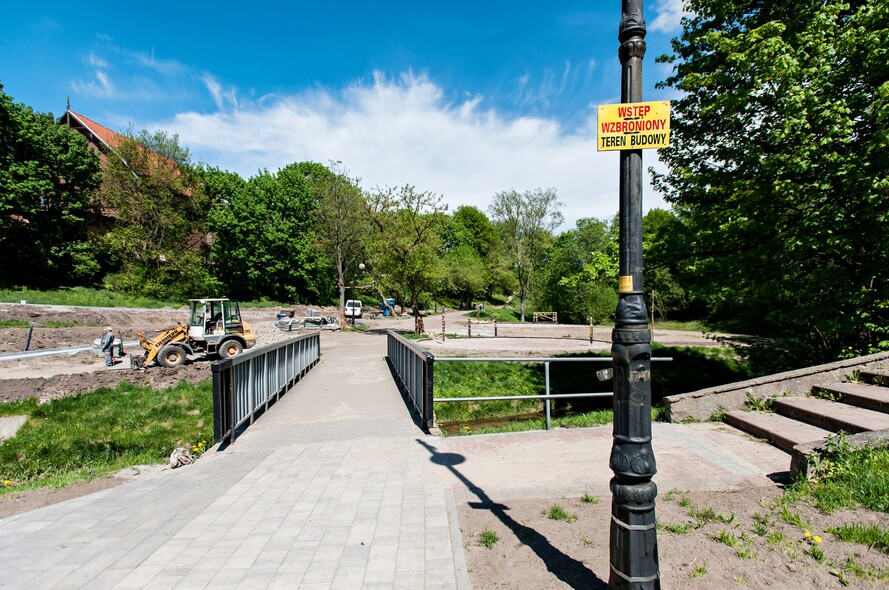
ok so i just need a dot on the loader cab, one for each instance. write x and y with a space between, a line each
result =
210 319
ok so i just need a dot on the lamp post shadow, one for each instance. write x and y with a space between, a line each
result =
567 569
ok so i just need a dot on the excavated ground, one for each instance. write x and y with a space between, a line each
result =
55 376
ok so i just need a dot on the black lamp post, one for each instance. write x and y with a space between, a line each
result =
633 547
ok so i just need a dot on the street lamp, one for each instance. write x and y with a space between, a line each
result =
633 546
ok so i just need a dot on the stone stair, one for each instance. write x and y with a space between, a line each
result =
848 407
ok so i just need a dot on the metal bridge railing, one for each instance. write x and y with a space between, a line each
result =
245 384
413 367
603 375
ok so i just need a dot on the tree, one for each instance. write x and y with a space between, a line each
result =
265 240
579 279
665 293
779 168
467 268
342 222
160 213
526 221
48 178
406 241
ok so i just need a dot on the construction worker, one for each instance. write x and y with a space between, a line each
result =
107 343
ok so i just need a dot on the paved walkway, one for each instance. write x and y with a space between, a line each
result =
336 487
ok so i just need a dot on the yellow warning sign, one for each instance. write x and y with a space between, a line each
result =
634 126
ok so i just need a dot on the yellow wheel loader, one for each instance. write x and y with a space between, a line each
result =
214 328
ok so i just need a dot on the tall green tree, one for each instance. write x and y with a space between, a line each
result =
405 243
265 243
468 267
342 224
160 213
579 279
526 221
48 178
665 294
779 168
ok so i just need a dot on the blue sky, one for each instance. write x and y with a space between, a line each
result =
460 99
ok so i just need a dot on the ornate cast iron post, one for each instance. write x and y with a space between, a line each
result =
634 560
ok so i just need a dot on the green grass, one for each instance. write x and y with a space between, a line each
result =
23 407
456 379
692 326
867 573
588 498
90 435
872 535
677 528
847 478
726 538
84 296
25 324
704 515
585 420
556 512
487 538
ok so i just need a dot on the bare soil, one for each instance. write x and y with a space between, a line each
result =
534 551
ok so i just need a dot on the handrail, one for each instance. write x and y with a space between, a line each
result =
245 384
414 368
547 396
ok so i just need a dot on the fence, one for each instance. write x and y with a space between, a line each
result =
547 396
413 367
245 384
545 330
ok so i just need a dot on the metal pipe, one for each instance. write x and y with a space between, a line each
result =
547 403
30 331
497 398
542 359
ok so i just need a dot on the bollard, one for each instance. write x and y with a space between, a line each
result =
495 328
469 329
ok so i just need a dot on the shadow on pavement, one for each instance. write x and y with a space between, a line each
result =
567 569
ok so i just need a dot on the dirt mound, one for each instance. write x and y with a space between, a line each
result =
46 389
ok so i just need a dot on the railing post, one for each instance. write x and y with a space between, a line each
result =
218 407
428 393
546 370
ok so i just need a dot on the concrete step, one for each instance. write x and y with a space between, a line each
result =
876 377
871 397
831 415
779 430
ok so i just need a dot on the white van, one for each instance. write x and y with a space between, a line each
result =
353 308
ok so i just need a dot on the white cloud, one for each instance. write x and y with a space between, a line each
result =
669 16
392 132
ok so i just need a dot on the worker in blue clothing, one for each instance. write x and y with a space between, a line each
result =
107 344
